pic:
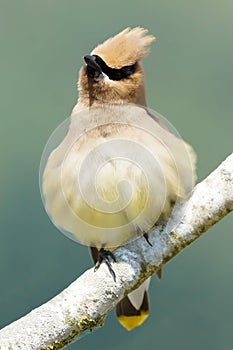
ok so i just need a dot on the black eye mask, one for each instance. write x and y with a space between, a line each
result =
112 73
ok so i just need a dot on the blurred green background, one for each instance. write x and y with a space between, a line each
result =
189 80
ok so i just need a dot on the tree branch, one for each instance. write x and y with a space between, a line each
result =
85 303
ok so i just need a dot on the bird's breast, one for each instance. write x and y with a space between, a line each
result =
111 182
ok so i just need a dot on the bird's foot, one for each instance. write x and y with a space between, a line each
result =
145 235
104 256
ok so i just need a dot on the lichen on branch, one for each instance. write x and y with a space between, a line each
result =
85 303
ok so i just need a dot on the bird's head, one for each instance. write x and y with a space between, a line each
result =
113 72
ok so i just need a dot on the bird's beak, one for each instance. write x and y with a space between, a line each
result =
91 62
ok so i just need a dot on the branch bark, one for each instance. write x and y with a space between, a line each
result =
85 303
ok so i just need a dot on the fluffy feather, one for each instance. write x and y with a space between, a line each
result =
125 48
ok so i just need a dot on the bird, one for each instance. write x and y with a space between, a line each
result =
119 169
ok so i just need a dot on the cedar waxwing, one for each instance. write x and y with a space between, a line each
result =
118 169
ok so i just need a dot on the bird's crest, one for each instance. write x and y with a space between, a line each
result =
125 48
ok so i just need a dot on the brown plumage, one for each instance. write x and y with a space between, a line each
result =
112 107
126 48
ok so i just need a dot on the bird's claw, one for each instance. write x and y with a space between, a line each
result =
104 256
145 235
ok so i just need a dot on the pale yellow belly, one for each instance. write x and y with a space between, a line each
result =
107 189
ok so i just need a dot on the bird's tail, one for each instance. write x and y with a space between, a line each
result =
133 309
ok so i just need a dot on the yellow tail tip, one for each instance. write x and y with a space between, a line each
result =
130 322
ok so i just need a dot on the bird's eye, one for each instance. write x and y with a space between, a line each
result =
117 75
